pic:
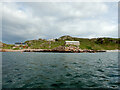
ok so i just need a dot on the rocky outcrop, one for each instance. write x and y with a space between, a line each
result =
67 37
52 50
60 48
107 40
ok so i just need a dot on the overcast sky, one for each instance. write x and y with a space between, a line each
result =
26 21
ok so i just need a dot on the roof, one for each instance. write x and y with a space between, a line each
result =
19 43
72 41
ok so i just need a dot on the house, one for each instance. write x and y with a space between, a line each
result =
20 45
77 43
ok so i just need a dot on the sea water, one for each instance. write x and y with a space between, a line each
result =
60 70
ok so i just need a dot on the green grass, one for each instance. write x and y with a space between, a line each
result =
7 46
92 44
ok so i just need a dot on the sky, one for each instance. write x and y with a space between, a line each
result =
23 21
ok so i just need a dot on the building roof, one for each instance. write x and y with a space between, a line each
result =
20 43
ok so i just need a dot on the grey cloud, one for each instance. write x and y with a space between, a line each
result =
23 21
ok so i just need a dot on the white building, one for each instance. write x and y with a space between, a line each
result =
72 43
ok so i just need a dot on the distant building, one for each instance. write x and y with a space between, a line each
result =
18 44
72 43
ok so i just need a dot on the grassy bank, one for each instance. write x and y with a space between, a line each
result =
85 43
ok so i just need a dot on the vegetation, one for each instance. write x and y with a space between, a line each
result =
7 46
85 43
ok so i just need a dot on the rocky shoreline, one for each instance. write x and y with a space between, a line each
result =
52 50
59 51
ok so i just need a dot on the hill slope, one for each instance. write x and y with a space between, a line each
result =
85 43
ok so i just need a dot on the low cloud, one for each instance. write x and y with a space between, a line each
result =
25 21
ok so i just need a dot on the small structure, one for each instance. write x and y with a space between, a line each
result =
77 43
18 44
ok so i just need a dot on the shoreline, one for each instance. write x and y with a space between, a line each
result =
60 51
112 50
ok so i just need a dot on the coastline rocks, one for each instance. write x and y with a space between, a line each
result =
59 49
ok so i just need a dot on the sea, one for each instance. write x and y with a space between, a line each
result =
60 70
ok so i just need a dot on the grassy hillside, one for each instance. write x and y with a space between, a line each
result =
6 46
95 43
85 43
44 44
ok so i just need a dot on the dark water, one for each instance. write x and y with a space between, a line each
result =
60 70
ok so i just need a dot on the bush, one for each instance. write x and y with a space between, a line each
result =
88 47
